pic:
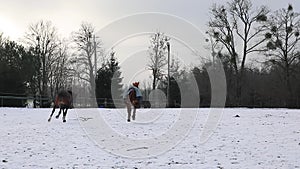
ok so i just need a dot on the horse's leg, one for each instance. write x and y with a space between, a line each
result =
133 115
53 110
128 105
57 116
65 114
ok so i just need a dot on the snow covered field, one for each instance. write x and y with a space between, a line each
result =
258 138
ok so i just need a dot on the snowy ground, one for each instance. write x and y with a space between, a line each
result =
259 138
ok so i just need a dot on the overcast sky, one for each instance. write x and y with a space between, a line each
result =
16 15
67 15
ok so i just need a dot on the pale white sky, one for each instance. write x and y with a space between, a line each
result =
67 15
16 15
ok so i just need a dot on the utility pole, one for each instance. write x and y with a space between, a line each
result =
168 90
95 54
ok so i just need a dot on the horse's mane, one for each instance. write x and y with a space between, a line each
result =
70 92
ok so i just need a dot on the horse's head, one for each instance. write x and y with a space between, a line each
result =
136 84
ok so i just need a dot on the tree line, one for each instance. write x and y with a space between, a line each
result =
237 31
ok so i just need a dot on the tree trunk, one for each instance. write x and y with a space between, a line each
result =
154 79
290 99
93 101
44 82
238 88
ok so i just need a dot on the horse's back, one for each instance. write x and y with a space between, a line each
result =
132 94
135 101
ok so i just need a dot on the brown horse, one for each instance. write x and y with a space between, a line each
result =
132 100
63 101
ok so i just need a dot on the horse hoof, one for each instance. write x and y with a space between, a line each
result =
128 120
64 121
49 120
57 117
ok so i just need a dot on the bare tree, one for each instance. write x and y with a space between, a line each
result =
86 45
176 70
157 54
238 26
43 37
283 45
60 72
2 38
